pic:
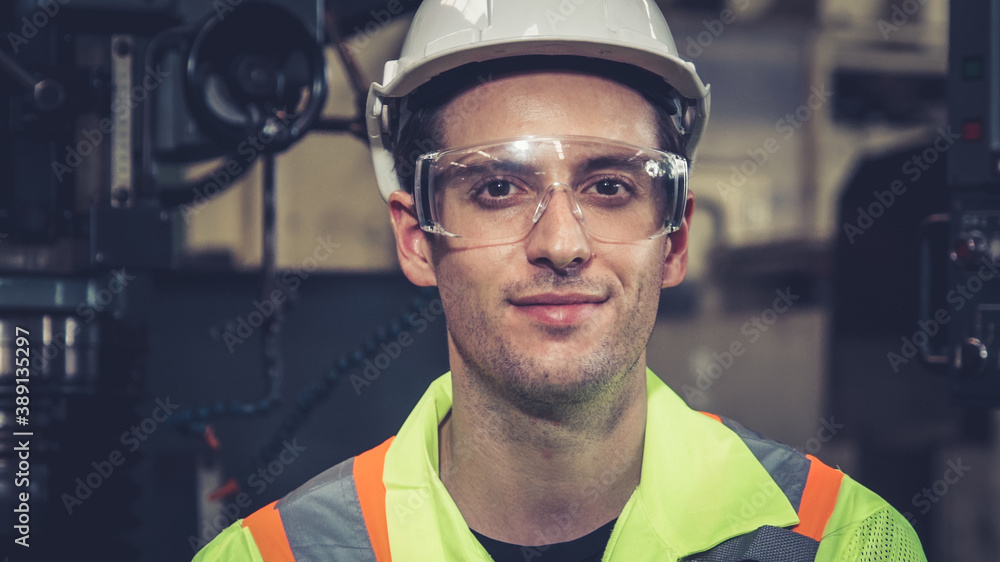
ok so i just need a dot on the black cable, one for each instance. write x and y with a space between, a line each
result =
314 394
195 419
274 370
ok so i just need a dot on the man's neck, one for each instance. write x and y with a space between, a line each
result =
525 480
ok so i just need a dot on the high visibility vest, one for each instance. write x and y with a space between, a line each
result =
341 515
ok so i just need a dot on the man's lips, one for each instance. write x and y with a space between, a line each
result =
559 309
558 299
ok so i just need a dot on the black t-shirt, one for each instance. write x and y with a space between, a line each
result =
588 548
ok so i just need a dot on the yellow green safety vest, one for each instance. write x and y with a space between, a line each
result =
710 491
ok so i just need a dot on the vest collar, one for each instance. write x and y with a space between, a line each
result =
700 486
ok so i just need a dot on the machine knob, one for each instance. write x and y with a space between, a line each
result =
970 361
969 248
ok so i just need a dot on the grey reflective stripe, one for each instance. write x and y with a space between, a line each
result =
789 468
323 520
766 544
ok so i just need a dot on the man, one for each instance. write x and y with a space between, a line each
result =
534 156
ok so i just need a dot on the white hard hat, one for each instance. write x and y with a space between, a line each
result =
447 34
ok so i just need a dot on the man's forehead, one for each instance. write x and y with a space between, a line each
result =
549 103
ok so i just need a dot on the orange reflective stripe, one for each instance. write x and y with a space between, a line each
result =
713 416
269 534
368 469
819 498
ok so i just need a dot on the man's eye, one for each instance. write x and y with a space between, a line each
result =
498 188
498 193
612 187
608 187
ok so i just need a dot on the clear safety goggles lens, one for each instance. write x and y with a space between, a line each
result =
500 191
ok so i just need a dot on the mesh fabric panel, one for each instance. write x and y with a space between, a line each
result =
883 537
766 544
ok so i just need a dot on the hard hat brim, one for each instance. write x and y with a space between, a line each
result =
402 77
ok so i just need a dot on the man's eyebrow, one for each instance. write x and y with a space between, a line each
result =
480 166
613 161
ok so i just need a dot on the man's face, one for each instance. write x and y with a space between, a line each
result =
556 317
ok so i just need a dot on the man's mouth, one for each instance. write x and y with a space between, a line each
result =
559 309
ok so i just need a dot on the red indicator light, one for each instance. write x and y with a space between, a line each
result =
972 130
962 248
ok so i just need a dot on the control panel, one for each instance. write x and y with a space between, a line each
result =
972 299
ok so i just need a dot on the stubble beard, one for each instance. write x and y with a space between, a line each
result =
584 393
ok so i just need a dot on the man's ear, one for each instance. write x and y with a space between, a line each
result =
412 248
675 265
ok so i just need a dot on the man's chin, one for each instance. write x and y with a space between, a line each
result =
563 385
571 343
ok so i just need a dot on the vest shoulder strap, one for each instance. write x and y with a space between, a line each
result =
337 516
368 469
269 533
810 486
335 500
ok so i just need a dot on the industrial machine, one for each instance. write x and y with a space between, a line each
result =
106 105
971 311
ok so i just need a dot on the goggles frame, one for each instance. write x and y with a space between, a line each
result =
427 214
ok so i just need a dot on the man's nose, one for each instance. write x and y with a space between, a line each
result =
558 239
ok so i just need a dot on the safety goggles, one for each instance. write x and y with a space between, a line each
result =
499 191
